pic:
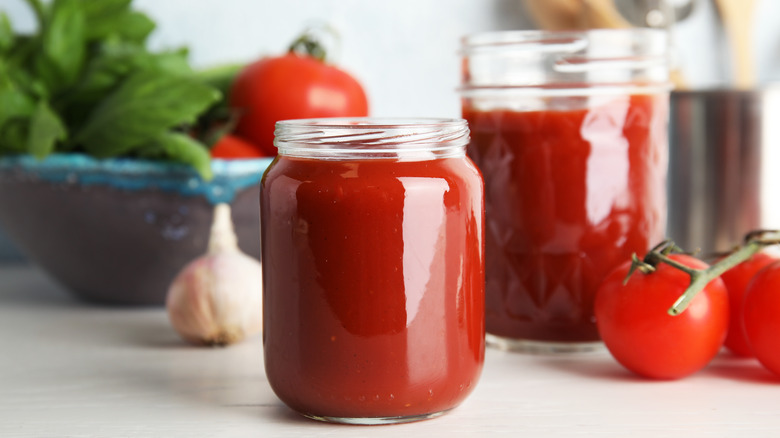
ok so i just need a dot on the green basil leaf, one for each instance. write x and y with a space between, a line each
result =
99 79
114 61
39 9
45 130
102 9
135 26
143 106
220 77
63 45
14 102
104 72
102 15
23 49
184 149
114 17
13 136
6 33
29 84
170 62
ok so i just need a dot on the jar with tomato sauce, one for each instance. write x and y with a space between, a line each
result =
373 262
570 132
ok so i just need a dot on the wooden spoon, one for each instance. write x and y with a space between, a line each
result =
555 14
575 14
584 14
737 17
602 14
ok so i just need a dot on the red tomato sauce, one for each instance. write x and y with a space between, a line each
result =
569 194
374 285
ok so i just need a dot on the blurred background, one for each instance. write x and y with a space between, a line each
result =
405 51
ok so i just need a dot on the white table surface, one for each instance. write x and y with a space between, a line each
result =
68 369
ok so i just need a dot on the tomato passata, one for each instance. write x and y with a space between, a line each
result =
761 316
293 86
632 320
736 280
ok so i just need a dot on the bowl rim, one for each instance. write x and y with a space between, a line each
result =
136 174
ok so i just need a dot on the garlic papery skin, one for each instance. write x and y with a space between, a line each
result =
217 298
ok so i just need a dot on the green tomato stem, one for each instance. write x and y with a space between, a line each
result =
701 277
306 44
638 265
310 42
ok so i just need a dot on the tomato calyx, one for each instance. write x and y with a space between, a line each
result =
754 242
659 254
310 42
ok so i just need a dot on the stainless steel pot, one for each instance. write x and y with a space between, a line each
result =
723 169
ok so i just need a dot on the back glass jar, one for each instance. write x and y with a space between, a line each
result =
570 132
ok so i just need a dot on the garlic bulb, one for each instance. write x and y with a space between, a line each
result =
216 299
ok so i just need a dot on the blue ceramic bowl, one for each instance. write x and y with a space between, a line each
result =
118 230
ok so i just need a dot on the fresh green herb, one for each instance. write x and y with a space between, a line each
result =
142 108
6 33
86 82
63 49
46 129
183 146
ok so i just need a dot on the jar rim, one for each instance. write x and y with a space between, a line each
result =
372 137
554 39
370 122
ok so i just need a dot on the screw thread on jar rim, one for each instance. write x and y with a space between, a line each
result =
372 138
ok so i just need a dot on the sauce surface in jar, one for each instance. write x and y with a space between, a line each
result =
373 285
570 194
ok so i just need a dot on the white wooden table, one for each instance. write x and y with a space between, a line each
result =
68 369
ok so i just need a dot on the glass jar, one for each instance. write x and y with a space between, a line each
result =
570 131
373 263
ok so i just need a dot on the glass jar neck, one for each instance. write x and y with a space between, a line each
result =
567 63
365 138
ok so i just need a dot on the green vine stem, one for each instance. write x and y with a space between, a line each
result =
701 277
755 241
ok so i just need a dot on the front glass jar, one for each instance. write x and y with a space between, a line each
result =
569 130
373 263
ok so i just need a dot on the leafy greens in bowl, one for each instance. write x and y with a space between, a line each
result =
86 82
106 178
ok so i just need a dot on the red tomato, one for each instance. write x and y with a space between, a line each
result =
291 87
761 316
232 147
632 320
736 280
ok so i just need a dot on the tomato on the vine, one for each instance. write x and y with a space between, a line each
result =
761 316
292 86
736 280
232 147
633 322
